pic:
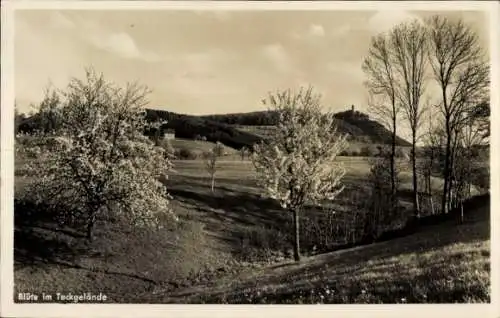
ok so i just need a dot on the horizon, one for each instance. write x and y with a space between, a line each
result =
221 62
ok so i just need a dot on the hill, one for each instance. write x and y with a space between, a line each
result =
226 128
356 124
243 129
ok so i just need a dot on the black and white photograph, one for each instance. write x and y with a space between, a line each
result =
265 154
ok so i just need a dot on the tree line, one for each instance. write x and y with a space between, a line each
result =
402 66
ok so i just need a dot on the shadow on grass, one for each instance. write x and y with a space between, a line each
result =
388 280
40 242
228 204
384 259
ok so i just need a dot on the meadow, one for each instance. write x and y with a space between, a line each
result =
233 246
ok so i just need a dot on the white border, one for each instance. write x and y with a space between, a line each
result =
9 309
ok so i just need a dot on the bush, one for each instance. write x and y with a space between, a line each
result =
186 154
481 177
400 152
382 205
168 149
354 153
368 151
322 233
263 244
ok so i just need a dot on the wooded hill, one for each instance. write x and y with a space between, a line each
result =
222 128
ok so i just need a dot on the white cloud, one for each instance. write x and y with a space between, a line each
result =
313 31
123 45
383 21
341 30
351 70
316 30
277 55
119 43
204 64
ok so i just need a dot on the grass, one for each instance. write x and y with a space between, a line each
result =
204 260
198 146
443 264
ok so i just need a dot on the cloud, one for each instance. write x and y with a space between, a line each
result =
121 44
341 30
316 30
203 64
313 31
55 59
383 21
118 43
277 55
346 70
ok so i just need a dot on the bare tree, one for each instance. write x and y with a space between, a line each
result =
378 66
297 165
211 158
396 65
410 49
458 66
243 152
430 163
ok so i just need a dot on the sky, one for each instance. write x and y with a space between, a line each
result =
206 62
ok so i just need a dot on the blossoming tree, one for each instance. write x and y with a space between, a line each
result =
297 165
98 162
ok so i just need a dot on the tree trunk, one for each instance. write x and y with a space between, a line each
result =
213 183
90 228
393 159
296 247
461 212
432 204
446 175
416 207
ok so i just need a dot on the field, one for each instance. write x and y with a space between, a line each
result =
231 246
356 147
198 146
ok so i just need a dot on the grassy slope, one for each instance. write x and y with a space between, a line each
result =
442 263
198 146
138 266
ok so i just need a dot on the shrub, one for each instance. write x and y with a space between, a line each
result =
354 153
186 154
367 151
400 152
382 204
322 232
263 244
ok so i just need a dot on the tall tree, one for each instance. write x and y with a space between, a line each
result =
410 56
297 165
459 69
378 66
